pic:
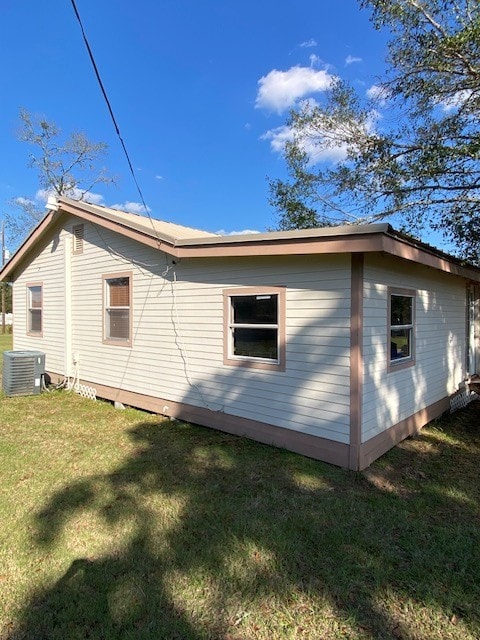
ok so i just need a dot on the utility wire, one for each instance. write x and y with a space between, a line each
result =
112 115
176 319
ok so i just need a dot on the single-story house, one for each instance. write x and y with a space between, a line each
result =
336 343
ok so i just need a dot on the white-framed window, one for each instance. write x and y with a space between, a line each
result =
117 308
401 328
35 309
255 327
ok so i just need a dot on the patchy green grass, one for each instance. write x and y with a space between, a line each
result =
5 342
118 524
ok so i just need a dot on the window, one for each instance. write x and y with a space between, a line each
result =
78 234
34 309
117 308
401 333
254 327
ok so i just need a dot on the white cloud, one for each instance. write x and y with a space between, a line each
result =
159 178
456 101
131 207
42 195
352 60
315 60
281 135
75 193
24 201
309 43
93 198
278 138
280 90
318 147
378 94
222 232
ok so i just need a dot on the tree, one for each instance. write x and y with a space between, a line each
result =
8 296
422 162
66 166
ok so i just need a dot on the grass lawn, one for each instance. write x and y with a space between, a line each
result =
119 524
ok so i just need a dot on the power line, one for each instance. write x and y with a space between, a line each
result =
175 315
109 106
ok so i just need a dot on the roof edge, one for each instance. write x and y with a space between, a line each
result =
294 234
36 233
342 239
94 210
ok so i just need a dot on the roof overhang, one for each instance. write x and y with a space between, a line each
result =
346 239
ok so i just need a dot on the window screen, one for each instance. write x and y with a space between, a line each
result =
117 309
35 308
401 327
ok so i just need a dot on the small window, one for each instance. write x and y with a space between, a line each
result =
34 309
118 307
78 234
402 318
255 327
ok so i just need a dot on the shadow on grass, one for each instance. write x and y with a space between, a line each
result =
259 534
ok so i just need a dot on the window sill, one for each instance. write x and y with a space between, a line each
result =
117 343
401 363
254 364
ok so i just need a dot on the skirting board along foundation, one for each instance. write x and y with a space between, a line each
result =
330 451
315 447
381 443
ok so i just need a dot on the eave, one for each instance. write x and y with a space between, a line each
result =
380 238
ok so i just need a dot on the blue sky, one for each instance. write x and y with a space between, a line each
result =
200 91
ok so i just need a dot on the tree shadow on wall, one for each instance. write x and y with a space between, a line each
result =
246 536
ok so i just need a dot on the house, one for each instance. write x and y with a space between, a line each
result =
336 343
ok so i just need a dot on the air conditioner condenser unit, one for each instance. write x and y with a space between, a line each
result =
23 372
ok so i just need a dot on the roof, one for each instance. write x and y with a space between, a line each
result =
168 231
186 242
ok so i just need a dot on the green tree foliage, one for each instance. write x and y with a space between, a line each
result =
66 165
8 296
413 149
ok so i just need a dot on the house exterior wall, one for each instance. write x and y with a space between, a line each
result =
390 397
46 268
178 329
177 349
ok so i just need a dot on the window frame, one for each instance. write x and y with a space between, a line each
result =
30 331
105 308
254 362
397 364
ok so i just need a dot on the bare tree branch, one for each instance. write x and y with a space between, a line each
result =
65 166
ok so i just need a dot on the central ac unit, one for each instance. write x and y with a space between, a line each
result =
23 372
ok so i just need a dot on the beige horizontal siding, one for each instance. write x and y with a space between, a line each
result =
177 350
43 269
389 397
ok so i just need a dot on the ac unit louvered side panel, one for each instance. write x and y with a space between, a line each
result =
22 372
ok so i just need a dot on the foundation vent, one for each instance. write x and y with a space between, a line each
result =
461 399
